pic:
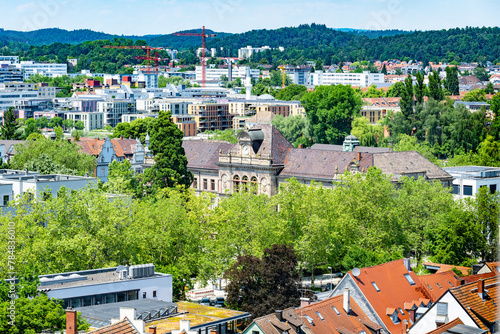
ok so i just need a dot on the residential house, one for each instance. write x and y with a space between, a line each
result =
108 150
475 304
286 321
389 294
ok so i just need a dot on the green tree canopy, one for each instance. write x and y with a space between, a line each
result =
170 168
330 110
52 157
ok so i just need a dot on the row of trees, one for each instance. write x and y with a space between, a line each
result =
367 221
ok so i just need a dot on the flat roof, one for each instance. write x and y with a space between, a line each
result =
201 316
87 277
473 172
101 315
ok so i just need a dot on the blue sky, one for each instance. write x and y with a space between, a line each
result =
140 17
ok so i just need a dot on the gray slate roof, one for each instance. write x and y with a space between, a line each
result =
362 149
204 153
320 163
399 163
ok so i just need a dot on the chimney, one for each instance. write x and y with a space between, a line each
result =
304 302
405 326
359 156
480 288
347 306
152 329
407 264
121 137
279 315
301 145
411 312
71 327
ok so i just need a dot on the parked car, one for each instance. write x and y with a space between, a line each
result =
205 301
220 302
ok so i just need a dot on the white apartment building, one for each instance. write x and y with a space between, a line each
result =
91 120
9 59
214 74
113 110
150 80
8 97
176 107
51 70
364 79
249 50
9 73
132 117
468 179
22 182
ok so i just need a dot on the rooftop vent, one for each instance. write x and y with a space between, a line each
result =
142 270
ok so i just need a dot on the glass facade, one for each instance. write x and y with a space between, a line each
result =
101 299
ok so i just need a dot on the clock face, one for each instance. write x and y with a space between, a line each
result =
246 150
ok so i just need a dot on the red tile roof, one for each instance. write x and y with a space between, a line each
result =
122 327
444 328
437 284
447 267
394 288
484 311
93 146
354 322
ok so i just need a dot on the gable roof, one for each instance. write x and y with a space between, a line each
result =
270 324
321 164
484 312
93 146
437 284
204 153
394 290
354 322
121 327
409 162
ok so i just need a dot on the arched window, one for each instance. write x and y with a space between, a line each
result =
236 183
244 182
253 184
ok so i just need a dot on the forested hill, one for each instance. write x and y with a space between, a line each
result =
332 46
55 35
22 40
302 43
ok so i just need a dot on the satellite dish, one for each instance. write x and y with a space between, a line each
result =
356 272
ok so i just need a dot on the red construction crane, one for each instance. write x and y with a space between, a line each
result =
155 58
140 47
203 49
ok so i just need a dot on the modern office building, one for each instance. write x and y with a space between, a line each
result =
51 70
108 285
468 179
364 79
214 74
